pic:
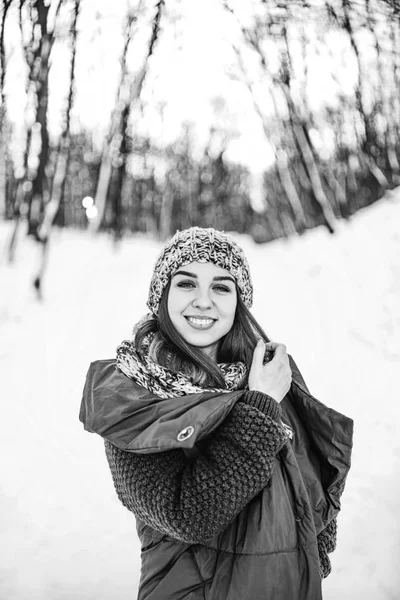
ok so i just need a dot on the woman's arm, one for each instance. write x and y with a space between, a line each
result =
194 500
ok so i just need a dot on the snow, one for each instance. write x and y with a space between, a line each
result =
333 300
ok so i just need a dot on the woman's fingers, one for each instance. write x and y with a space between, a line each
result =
259 351
279 350
271 345
272 377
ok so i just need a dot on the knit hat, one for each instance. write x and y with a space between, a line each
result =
203 245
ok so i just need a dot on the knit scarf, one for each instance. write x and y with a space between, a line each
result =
162 381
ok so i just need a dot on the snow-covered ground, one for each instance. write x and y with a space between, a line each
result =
334 301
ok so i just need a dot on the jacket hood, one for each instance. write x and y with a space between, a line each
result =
135 419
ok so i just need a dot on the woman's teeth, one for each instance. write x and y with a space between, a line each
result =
200 322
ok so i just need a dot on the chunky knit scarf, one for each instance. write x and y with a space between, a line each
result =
162 381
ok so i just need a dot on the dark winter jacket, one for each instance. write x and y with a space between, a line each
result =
226 506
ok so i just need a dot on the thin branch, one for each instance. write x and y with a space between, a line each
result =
6 6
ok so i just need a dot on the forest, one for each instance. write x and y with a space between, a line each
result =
320 81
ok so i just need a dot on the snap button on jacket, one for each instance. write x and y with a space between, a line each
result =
267 517
185 433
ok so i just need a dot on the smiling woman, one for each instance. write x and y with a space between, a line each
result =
199 297
201 308
230 501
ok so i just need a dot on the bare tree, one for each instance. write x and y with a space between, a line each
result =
281 157
375 152
368 141
3 113
395 54
39 62
61 164
166 210
115 150
319 121
64 145
33 186
282 82
6 6
390 118
300 129
281 162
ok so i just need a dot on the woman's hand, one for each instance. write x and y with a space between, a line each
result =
273 378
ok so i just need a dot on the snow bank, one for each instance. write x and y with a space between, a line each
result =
334 301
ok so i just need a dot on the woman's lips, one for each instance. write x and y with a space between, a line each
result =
200 322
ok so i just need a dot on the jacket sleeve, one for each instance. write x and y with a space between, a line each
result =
322 443
326 544
194 500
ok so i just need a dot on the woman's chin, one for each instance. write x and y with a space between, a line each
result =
204 343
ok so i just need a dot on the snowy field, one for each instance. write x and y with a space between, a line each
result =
333 300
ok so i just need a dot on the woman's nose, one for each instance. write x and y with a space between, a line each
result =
202 299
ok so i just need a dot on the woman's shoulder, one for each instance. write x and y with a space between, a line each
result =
106 392
103 374
101 367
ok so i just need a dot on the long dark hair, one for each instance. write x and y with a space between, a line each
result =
169 348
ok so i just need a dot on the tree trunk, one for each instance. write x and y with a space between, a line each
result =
63 154
302 138
131 88
22 192
280 154
389 137
311 167
40 186
290 190
394 98
370 133
110 150
166 211
116 221
3 113
193 195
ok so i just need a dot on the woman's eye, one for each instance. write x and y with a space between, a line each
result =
190 284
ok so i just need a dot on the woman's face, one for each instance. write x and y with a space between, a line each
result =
202 304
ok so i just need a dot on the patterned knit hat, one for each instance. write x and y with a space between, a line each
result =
203 245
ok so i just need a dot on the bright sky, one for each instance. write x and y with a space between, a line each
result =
193 75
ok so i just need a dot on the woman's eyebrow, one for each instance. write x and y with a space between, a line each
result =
217 278
222 277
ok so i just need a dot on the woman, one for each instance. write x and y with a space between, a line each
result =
232 469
